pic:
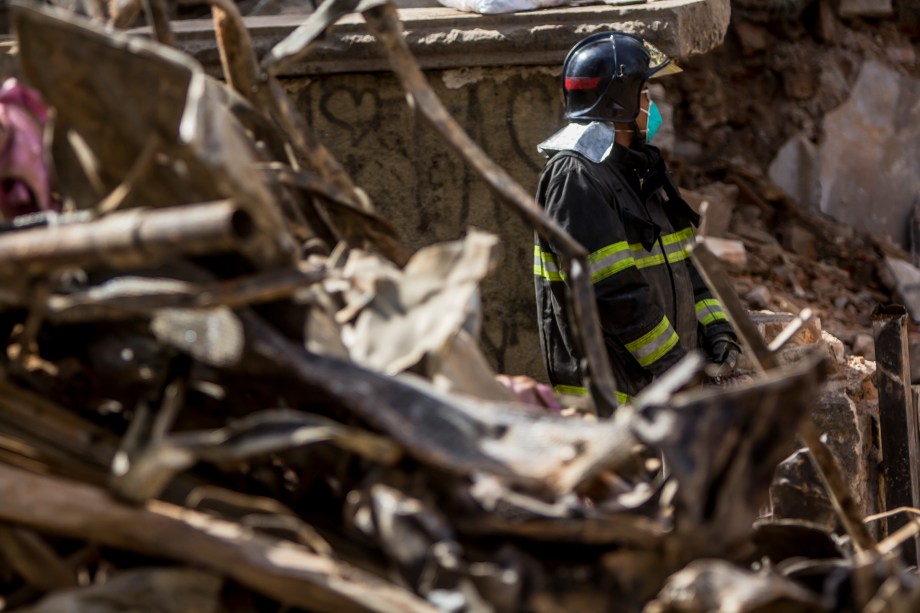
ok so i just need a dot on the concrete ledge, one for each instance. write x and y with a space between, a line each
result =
445 38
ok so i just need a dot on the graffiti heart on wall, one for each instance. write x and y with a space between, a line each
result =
424 188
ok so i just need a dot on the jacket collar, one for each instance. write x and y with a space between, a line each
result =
640 158
593 140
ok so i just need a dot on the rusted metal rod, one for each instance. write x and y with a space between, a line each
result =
235 46
900 437
384 24
157 13
137 237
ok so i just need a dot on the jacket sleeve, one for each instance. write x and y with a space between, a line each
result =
710 315
627 312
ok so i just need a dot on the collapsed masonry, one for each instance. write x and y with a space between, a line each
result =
227 386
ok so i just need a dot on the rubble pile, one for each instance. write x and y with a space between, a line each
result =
226 386
755 120
783 258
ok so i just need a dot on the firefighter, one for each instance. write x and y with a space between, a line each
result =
609 188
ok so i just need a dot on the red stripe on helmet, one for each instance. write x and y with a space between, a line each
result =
581 82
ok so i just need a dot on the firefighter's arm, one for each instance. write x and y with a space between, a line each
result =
627 311
719 339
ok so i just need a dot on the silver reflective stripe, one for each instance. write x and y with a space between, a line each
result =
545 265
709 311
655 343
610 260
675 248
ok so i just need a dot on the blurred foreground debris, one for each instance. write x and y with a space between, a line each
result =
226 386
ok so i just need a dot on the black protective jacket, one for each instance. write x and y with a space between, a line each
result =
653 304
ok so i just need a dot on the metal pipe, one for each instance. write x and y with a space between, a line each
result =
137 237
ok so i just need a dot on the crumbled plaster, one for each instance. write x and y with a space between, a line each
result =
632 27
462 36
462 77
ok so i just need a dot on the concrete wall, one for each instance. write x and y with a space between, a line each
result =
426 189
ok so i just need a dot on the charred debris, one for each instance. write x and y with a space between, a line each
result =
227 387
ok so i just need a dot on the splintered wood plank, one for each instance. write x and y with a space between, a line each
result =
280 569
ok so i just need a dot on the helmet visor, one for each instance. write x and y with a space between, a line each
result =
659 64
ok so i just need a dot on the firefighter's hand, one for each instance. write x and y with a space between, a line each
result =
724 352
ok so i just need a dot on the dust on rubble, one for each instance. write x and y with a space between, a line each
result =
782 67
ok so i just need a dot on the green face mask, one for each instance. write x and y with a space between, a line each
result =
654 121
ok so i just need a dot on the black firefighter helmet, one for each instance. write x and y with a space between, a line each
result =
603 76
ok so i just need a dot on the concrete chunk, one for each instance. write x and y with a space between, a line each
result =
442 37
716 202
730 252
904 278
805 341
795 170
864 171
869 159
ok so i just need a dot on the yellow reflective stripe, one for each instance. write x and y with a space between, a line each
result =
708 302
609 260
658 259
712 318
652 345
649 336
549 276
545 265
658 353
571 390
709 310
677 237
575 390
674 247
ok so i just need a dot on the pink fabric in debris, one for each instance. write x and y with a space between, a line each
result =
531 392
24 175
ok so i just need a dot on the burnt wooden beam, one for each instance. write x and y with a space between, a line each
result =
900 438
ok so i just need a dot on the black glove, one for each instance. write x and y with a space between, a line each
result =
724 351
